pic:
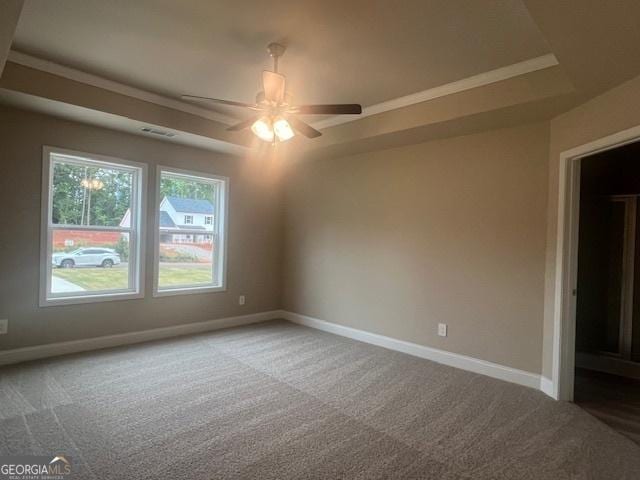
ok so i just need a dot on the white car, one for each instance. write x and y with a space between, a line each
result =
86 257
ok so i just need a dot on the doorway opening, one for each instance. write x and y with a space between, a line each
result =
607 308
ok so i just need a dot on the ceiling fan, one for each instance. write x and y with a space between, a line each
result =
276 117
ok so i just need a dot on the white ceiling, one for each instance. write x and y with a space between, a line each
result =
364 51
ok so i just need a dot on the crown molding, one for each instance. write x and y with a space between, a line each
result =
475 81
113 86
480 80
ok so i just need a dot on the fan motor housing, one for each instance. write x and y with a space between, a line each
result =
276 49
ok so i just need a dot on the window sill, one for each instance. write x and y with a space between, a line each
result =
99 298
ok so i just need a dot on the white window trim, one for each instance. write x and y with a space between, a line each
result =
222 250
137 270
190 218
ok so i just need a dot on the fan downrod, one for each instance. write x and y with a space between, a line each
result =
276 50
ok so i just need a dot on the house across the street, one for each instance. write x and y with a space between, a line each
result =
182 220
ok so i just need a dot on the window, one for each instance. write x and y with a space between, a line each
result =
91 235
190 256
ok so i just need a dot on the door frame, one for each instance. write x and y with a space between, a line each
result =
564 317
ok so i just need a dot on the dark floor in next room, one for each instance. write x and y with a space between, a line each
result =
614 400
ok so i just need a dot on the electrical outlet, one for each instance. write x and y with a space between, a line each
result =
4 326
442 329
241 300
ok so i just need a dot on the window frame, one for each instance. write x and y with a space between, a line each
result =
223 222
190 218
137 231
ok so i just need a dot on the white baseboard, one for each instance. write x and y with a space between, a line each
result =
546 386
96 343
463 362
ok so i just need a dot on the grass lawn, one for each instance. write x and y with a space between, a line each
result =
117 278
95 278
171 276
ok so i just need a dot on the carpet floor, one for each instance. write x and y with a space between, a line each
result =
280 401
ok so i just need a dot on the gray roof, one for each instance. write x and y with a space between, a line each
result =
190 205
165 220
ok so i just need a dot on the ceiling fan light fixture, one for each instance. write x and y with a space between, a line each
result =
282 129
263 129
276 120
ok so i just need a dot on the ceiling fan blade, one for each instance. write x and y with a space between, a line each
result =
303 128
242 125
274 86
340 109
220 101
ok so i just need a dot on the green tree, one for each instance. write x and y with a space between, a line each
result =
75 204
177 187
122 248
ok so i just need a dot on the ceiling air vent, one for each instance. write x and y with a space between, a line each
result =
162 133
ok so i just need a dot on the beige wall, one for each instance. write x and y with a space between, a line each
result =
609 113
368 247
254 237
391 242
450 231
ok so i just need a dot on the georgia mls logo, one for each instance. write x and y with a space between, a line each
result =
59 465
27 467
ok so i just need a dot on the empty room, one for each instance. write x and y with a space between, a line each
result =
298 239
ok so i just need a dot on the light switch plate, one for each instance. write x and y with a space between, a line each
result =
4 326
241 300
